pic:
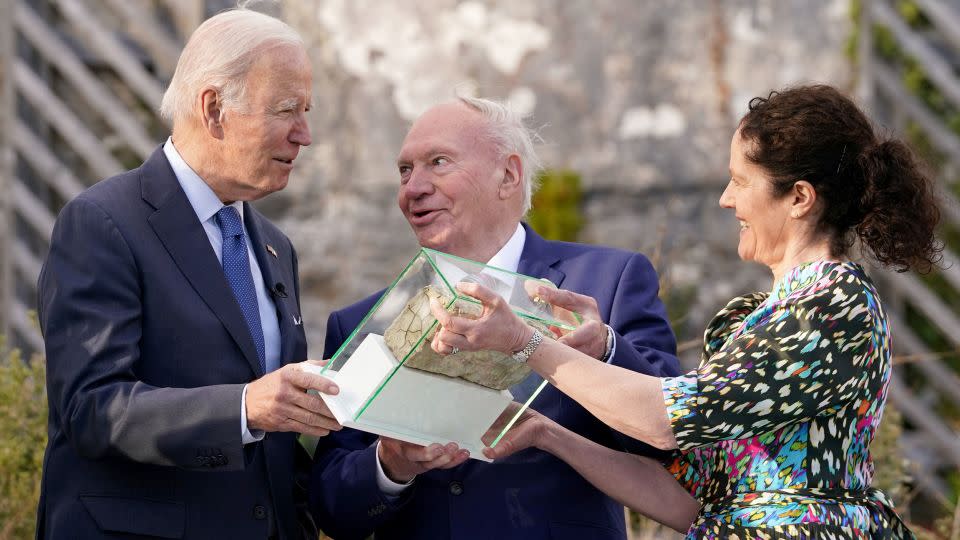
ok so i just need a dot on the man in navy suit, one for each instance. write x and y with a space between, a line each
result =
170 312
466 173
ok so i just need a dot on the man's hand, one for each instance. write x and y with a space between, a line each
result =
402 461
590 338
279 401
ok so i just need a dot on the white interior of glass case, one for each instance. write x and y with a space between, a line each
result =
416 406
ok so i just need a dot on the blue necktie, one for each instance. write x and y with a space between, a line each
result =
236 267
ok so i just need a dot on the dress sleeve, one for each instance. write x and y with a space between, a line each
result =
807 358
688 469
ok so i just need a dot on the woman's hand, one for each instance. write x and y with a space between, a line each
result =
497 329
590 337
529 431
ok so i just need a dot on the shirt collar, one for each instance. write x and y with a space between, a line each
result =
508 258
202 198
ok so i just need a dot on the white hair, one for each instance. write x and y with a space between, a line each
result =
511 136
219 54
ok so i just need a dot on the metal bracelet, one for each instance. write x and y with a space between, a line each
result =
524 354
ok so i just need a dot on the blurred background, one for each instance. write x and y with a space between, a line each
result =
635 100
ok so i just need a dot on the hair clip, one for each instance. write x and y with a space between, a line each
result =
840 163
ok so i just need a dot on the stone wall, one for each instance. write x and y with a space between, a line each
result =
640 97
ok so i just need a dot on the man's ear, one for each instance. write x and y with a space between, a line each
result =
211 112
803 199
512 177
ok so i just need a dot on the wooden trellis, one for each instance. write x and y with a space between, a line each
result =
932 444
80 86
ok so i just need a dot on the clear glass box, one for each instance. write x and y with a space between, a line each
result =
392 383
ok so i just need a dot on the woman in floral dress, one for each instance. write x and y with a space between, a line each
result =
773 429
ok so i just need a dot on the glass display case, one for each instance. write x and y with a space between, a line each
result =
393 384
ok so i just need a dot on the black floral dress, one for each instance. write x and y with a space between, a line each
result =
775 425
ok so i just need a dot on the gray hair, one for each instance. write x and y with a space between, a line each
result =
219 55
511 136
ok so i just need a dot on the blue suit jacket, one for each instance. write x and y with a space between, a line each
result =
530 495
147 355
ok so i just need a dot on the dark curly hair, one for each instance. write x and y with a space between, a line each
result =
872 188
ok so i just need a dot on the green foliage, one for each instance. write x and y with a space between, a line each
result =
931 335
890 469
885 44
912 14
916 80
914 76
921 143
851 47
556 205
23 423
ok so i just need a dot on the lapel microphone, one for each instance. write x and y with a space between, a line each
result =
279 290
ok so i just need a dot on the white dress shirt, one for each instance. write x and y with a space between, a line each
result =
206 204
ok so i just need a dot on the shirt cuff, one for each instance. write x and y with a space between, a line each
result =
611 335
245 434
386 485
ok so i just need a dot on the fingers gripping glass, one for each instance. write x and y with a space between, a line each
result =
393 384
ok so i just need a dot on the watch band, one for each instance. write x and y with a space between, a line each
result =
609 345
524 354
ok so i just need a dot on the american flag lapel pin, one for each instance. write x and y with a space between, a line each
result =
272 251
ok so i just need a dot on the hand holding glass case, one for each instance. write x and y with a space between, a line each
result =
393 384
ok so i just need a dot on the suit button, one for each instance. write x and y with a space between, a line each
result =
456 488
259 512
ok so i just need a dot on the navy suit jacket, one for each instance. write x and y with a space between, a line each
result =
147 355
530 495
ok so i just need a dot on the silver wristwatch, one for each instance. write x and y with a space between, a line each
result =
524 354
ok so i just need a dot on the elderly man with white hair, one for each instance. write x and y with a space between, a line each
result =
467 171
170 312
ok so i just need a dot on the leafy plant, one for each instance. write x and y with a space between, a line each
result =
23 414
556 205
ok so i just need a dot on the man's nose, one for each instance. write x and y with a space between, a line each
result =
418 185
300 133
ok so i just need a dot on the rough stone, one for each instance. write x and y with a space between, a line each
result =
492 369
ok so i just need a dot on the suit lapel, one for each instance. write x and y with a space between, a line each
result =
176 224
272 275
537 260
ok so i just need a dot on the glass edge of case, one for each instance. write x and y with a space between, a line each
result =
434 253
370 313
523 407
400 364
